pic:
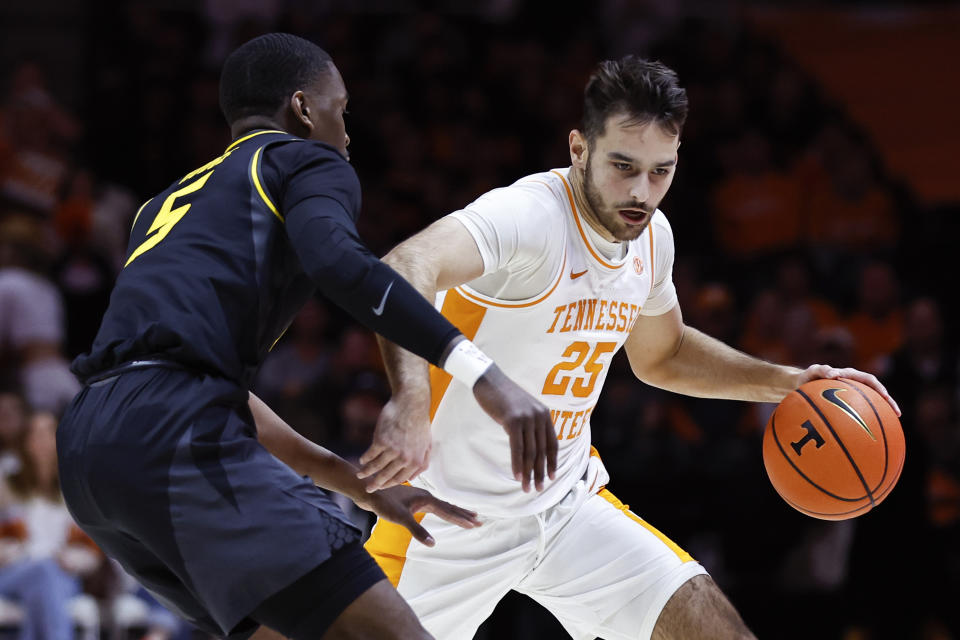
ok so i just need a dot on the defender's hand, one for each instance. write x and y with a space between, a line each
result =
399 504
818 371
533 442
401 443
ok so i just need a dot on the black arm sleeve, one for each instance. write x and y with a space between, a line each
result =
319 194
325 239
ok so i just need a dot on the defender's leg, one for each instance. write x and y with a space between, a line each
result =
379 614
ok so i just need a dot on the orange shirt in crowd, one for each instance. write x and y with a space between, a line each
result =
865 223
875 337
757 214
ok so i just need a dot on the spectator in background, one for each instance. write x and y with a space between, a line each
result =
133 609
83 271
297 366
763 328
711 429
714 311
791 113
365 397
38 133
847 207
877 322
361 407
356 353
924 359
13 421
31 318
799 329
43 554
939 426
891 595
794 289
756 207
13 418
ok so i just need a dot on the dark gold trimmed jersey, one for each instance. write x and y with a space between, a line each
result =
219 263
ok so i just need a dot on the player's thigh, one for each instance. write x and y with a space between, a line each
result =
378 614
454 586
700 611
606 572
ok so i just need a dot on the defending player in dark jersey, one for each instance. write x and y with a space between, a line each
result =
168 461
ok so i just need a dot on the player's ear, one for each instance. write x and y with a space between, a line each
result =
298 103
579 149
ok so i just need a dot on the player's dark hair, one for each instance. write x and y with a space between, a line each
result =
643 90
267 70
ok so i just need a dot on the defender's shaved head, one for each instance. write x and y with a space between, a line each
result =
265 71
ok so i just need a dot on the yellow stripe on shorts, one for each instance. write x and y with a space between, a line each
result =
388 545
625 508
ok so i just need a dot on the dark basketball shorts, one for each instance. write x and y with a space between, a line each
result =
162 468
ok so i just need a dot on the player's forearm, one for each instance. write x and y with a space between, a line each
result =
325 468
406 372
706 367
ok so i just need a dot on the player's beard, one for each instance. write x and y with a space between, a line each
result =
609 217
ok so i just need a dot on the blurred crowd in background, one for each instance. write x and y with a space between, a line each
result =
793 244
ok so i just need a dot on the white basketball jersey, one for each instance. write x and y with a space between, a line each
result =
557 345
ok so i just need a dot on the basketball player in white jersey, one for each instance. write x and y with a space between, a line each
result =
551 276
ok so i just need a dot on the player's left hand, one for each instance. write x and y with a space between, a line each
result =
818 371
399 504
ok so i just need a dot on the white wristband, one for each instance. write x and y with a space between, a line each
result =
467 363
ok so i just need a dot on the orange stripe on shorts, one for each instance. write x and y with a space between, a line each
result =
625 508
388 545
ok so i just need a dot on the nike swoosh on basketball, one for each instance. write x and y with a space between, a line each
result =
832 395
574 276
383 302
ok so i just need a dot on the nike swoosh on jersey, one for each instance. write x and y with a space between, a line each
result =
574 276
383 302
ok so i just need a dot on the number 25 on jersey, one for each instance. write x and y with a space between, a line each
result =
566 375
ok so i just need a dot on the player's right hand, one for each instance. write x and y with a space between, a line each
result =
401 443
533 442
399 504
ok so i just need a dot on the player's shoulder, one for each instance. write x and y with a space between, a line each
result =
662 235
660 224
548 187
661 231
314 166
296 152
537 196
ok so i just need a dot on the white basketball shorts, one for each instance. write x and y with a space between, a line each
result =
600 569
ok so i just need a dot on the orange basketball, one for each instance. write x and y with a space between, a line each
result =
833 449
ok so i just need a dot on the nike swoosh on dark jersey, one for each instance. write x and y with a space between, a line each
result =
383 302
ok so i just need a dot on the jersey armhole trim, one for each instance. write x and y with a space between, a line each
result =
478 297
255 176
